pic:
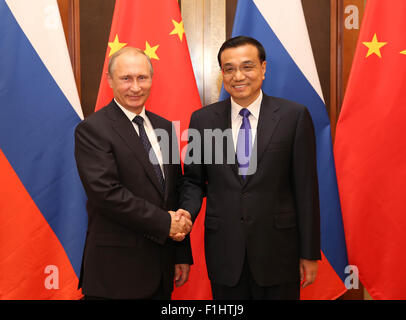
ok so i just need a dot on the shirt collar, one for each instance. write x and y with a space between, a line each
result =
131 115
254 107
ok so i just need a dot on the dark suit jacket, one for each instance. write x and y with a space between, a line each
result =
127 250
273 216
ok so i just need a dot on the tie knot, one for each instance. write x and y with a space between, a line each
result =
138 120
244 112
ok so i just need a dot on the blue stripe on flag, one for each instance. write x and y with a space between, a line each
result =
284 79
37 136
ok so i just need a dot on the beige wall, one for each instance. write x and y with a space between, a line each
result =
205 27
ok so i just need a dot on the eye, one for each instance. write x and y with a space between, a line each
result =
248 68
142 78
228 69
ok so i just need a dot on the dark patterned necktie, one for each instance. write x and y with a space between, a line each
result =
148 148
244 143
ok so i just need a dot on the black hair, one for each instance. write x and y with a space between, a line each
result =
241 41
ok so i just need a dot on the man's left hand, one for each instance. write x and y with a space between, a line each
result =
308 271
181 274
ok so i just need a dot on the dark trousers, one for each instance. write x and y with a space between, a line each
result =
162 293
248 289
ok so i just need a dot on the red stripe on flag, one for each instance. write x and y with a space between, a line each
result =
28 245
328 285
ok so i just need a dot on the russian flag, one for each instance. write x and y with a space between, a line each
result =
291 74
43 217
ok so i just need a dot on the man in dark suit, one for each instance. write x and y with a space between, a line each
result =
262 228
131 191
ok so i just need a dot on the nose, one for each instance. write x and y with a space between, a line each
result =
239 75
135 86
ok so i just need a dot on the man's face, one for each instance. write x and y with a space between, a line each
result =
243 73
131 80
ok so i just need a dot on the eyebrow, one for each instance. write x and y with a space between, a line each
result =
244 62
135 75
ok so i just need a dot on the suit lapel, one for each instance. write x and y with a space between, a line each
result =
166 150
224 123
267 122
126 131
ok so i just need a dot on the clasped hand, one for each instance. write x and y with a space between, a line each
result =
181 224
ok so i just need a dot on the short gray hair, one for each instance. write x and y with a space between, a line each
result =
125 50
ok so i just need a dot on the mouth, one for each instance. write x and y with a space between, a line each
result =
240 86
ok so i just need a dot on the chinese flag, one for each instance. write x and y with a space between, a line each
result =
156 27
370 152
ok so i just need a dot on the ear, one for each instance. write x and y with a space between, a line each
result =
263 69
109 80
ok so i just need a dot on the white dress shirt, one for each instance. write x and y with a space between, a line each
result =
236 118
149 131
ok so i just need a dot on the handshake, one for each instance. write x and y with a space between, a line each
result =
181 224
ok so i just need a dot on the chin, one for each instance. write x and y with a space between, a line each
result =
239 95
133 104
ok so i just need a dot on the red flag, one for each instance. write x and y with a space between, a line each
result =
156 27
33 264
370 152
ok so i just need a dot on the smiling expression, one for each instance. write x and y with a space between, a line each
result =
131 80
243 73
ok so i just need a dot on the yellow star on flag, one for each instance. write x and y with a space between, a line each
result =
374 46
403 52
179 29
151 51
115 45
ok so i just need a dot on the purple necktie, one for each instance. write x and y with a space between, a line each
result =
244 143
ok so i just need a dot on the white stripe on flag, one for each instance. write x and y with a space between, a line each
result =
41 22
286 18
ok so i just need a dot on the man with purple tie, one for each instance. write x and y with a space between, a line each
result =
262 224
